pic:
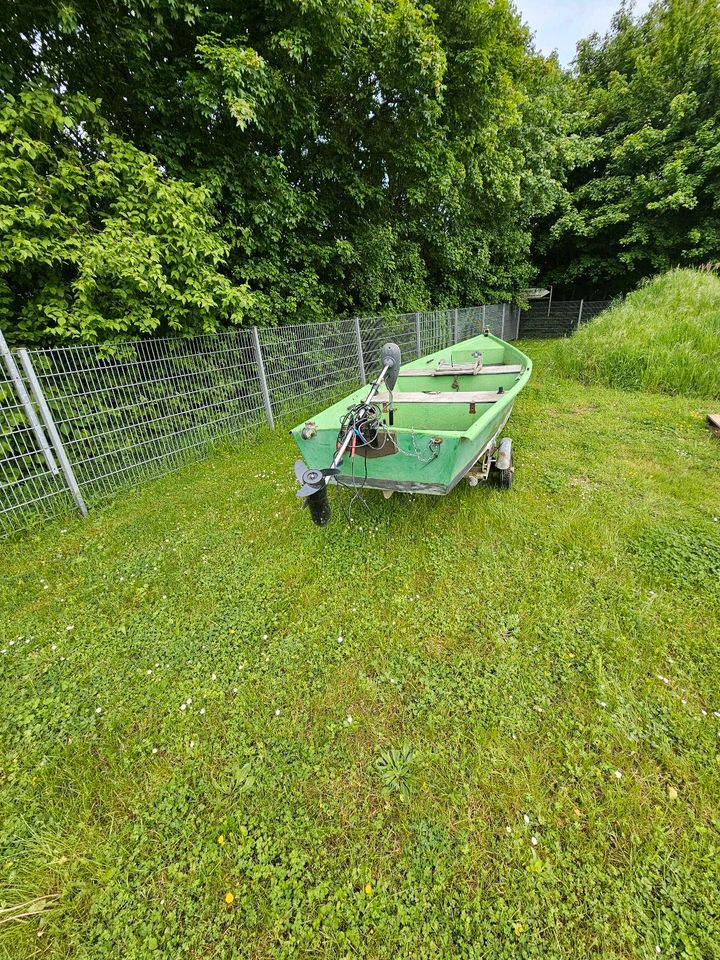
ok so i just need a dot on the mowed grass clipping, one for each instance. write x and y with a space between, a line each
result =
481 726
664 337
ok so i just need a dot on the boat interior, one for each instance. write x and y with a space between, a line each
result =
447 391
450 393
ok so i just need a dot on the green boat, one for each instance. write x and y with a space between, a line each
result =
422 427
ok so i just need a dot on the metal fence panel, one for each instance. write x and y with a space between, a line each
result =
558 318
591 308
308 360
377 331
140 408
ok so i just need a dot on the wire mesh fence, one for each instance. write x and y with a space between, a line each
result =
557 318
139 410
78 423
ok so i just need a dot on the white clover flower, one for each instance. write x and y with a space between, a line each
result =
534 841
265 636
183 706
149 672
214 677
70 626
602 703
235 689
98 709
508 829
526 818
54 647
340 639
618 774
348 719
154 749
277 712
202 711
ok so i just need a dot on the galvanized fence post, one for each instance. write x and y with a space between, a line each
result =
550 300
457 325
358 341
52 430
483 319
262 378
579 320
25 403
449 328
502 323
418 335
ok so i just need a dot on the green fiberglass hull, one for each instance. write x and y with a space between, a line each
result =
444 414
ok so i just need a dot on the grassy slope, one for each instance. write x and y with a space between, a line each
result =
664 336
526 646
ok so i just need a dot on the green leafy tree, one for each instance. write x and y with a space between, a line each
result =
359 155
96 242
646 196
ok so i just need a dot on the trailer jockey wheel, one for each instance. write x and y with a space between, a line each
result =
504 478
503 468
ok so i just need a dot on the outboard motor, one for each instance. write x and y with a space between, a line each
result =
314 482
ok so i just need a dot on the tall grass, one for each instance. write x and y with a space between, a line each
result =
664 337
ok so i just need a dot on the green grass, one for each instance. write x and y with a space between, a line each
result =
664 337
504 657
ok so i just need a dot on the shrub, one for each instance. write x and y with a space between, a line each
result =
97 243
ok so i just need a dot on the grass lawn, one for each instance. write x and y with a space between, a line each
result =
482 726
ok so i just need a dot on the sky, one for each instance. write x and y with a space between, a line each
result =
559 24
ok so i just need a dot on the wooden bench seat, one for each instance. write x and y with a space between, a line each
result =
456 371
453 396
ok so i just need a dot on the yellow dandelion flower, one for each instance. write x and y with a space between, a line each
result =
229 897
221 839
368 889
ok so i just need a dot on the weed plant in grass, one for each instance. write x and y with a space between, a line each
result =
664 337
482 726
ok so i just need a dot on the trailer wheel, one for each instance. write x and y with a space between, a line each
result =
504 478
503 468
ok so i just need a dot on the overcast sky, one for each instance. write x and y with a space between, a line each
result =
559 24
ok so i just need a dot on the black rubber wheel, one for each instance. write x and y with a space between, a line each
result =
504 478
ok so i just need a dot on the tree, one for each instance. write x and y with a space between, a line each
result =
358 155
96 243
646 197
